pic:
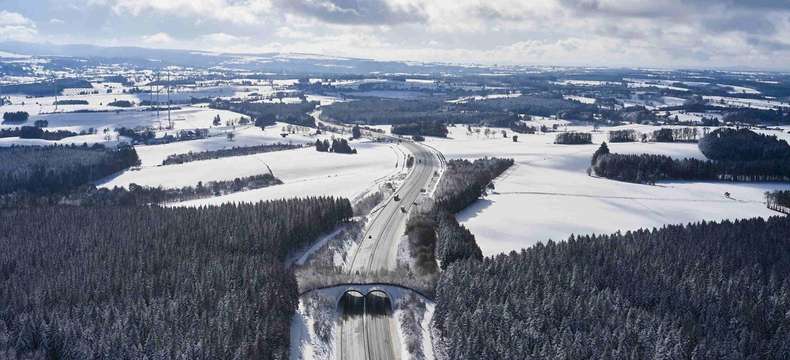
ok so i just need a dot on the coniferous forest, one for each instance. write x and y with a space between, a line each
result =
573 138
736 155
455 241
743 145
150 282
52 169
421 128
221 153
779 201
33 132
267 114
699 291
463 182
649 168
434 233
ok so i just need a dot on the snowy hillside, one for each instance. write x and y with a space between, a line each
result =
548 194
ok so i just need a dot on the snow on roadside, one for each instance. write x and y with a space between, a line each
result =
413 315
312 327
301 257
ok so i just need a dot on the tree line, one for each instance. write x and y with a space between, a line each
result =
266 114
121 103
222 153
433 232
380 111
35 132
743 145
461 185
15 117
523 128
573 138
45 88
136 195
421 128
687 134
698 291
455 241
71 102
339 146
737 155
52 169
464 181
757 116
649 168
778 200
621 136
150 282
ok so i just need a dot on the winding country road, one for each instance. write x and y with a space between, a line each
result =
373 334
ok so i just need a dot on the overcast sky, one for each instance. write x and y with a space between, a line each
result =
640 33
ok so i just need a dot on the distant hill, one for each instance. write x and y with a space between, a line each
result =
267 62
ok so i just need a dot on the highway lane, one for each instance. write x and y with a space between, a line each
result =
379 248
380 327
378 251
352 308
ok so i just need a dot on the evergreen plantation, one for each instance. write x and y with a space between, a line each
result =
697 291
223 153
736 155
149 282
434 233
52 169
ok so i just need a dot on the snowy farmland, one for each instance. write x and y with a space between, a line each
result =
153 155
191 117
305 172
548 194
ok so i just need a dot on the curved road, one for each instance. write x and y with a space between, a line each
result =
373 335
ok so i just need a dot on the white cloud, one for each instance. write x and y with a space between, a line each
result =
246 11
159 38
672 33
223 39
15 26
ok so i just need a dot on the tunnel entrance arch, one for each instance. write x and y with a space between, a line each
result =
351 303
378 303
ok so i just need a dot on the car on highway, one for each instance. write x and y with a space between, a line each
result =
396 198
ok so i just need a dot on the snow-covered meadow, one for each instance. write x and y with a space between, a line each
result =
191 117
548 194
153 155
305 172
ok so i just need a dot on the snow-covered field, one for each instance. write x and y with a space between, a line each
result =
42 105
153 155
192 117
547 194
186 118
305 172
110 140
748 103
581 99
